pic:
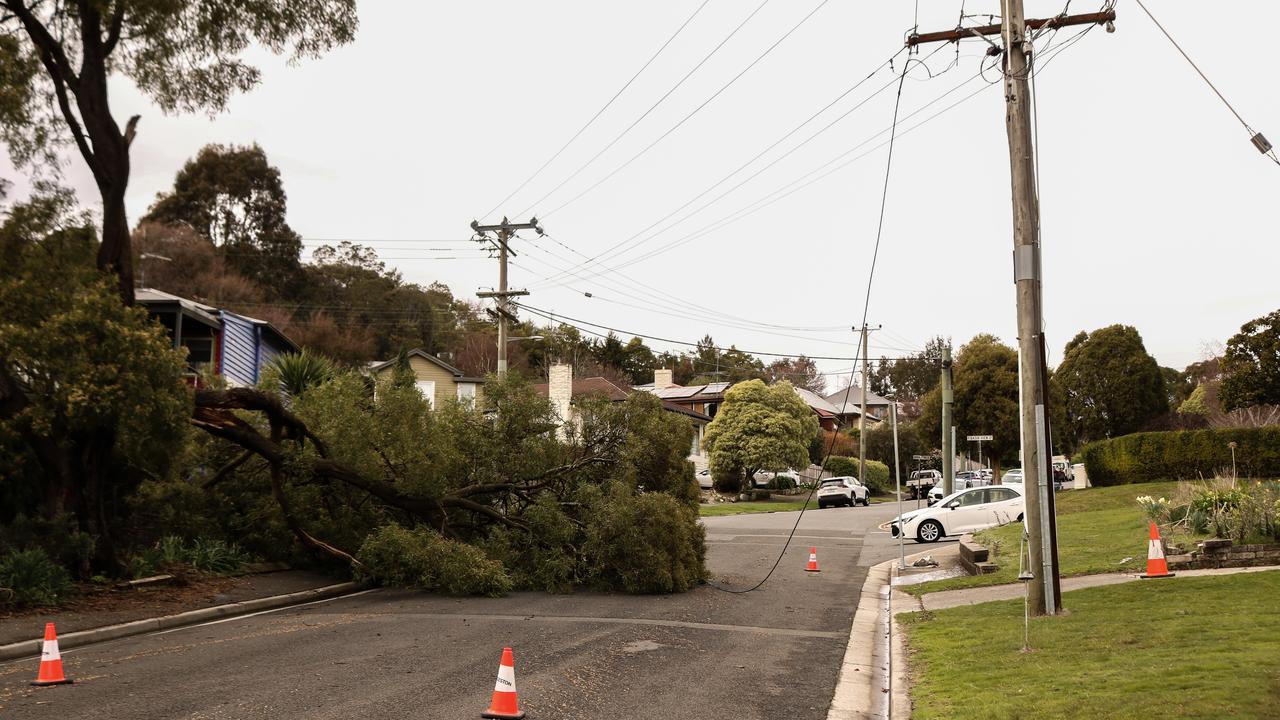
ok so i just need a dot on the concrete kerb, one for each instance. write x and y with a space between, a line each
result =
31 648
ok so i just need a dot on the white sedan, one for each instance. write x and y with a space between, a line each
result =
962 512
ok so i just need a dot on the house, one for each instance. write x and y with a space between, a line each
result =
436 379
703 399
828 414
848 403
564 390
237 347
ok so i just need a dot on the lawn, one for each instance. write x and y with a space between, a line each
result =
1205 647
1098 528
757 506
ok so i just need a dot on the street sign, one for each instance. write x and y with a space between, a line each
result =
981 438
921 457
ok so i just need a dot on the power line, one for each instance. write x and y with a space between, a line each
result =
610 251
645 114
695 111
599 112
1259 141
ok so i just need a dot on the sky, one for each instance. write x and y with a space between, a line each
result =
1155 207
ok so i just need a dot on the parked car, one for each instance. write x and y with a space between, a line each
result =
1012 476
842 491
961 512
763 478
705 481
919 482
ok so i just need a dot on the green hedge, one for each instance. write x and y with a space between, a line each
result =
877 478
1182 455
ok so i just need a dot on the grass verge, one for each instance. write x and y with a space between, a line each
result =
1098 529
1205 647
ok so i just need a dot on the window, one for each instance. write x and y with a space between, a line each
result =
467 393
973 497
1001 494
428 390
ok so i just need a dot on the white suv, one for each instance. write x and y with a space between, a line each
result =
842 491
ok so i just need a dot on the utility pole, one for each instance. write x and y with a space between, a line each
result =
948 431
862 415
504 232
1045 596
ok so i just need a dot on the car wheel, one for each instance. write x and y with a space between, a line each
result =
1019 517
930 531
866 501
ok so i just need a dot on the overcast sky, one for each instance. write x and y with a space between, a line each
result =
1157 212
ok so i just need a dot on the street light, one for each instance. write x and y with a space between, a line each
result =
142 269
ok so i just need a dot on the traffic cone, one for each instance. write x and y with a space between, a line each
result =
1156 565
505 705
50 660
813 561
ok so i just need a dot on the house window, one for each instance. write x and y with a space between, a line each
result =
467 393
428 390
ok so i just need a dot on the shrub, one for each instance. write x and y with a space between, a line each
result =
1183 454
877 479
645 543
426 560
840 465
727 483
173 554
31 578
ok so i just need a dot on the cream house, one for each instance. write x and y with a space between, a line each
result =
436 379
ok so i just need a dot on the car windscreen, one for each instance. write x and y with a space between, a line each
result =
826 483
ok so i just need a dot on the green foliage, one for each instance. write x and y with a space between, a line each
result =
646 543
841 466
912 377
31 578
1251 364
760 427
1112 386
985 382
175 555
1195 403
423 559
545 557
1183 454
877 477
295 373
232 197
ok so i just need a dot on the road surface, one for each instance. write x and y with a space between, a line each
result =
770 653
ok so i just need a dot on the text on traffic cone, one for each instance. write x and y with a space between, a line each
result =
1157 567
813 561
50 660
505 705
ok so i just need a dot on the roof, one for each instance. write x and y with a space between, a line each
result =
208 314
157 300
712 391
602 386
817 402
379 366
850 399
588 386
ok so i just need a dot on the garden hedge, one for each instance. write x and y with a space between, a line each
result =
1183 455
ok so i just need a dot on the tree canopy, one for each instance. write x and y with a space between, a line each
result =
1251 364
760 427
235 199
56 59
985 383
1111 385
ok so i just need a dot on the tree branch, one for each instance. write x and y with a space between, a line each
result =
114 26
226 470
43 40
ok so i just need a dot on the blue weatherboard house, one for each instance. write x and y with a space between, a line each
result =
235 346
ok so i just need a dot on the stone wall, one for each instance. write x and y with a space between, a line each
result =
1226 554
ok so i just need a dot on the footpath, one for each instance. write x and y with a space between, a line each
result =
874 680
109 613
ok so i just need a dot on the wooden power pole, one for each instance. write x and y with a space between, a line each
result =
504 232
948 428
1045 595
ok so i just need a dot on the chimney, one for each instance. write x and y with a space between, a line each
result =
662 378
560 391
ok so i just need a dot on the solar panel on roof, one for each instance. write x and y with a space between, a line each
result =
678 392
717 387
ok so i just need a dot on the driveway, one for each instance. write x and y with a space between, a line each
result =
770 653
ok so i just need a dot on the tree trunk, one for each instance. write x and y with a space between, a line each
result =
115 255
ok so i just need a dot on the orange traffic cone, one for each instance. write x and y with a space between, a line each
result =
1156 565
505 705
813 561
50 660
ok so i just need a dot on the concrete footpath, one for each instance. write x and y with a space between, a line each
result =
991 593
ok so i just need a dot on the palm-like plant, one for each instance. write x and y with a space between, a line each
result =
295 373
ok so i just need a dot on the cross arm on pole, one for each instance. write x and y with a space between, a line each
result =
1052 23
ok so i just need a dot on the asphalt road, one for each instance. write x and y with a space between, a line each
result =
770 653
